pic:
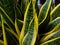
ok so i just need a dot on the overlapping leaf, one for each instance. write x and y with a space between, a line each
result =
44 11
32 30
55 41
8 37
53 23
44 16
55 12
27 18
7 19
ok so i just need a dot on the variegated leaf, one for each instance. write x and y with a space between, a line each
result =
55 12
44 11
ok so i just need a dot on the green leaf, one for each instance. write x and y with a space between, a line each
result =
55 12
55 33
18 25
7 19
30 37
17 29
1 42
8 36
4 33
8 6
44 11
27 18
18 13
55 41
52 24
11 39
13 33
30 27
54 29
51 28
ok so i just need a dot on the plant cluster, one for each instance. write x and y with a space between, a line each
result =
23 23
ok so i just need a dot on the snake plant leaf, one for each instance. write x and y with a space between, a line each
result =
55 12
52 34
8 37
18 25
57 34
53 27
17 29
27 18
18 18
55 41
8 6
4 33
23 5
27 22
7 19
26 3
11 39
44 11
42 27
18 13
30 37
57 27
52 6
1 42
52 24
13 33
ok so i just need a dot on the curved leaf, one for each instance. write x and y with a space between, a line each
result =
16 26
18 13
54 29
8 37
27 18
13 33
44 11
31 35
12 39
17 29
4 33
8 6
51 36
7 19
52 24
55 41
55 12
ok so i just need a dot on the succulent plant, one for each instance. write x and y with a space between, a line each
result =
23 23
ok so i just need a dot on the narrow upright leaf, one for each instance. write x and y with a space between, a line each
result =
31 35
27 18
4 34
52 24
55 41
55 12
44 11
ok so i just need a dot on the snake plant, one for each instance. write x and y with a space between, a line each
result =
23 23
